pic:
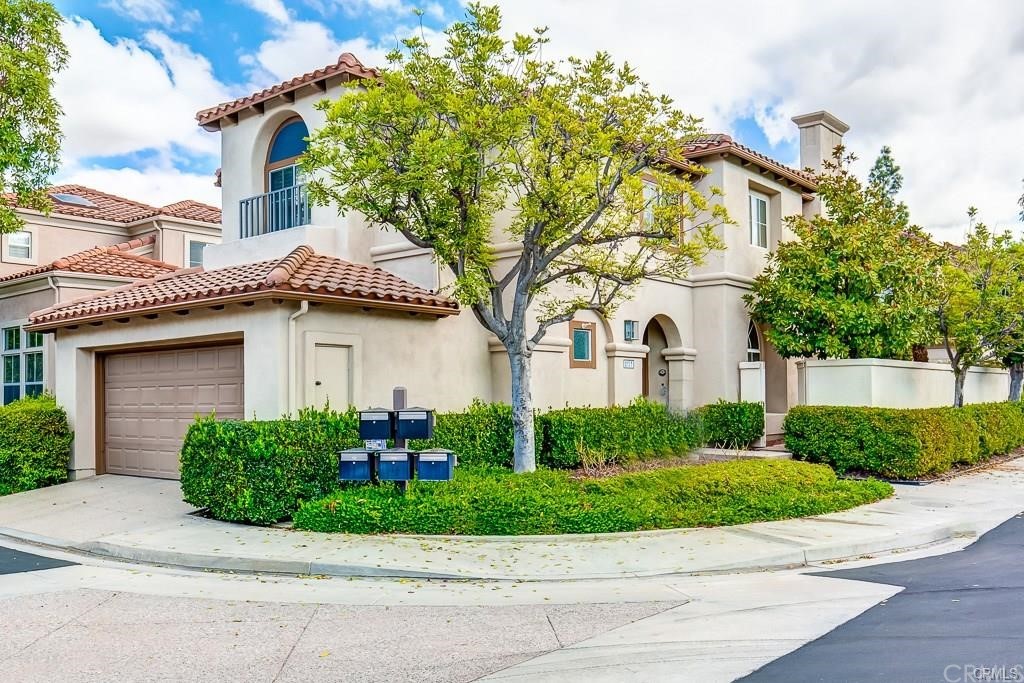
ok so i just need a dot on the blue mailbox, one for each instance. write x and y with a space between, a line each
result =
355 464
376 423
436 464
394 464
414 423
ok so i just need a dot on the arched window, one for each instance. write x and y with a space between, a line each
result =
753 344
288 143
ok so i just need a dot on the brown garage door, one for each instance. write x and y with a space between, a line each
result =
152 397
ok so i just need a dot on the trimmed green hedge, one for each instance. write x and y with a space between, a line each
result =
480 435
575 437
567 438
35 444
903 444
493 501
259 471
731 425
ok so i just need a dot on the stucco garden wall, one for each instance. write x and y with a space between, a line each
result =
893 383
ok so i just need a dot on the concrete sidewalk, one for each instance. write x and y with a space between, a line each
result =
143 520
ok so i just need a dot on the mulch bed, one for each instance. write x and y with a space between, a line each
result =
957 471
610 470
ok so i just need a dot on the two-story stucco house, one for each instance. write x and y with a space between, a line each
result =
299 307
89 242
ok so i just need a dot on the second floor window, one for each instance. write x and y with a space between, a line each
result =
650 201
195 253
759 220
19 244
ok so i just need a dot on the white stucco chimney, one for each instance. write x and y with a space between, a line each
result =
820 132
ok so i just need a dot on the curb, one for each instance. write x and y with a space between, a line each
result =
792 559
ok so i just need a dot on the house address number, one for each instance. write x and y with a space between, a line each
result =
628 363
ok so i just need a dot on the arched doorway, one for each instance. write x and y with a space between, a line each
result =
655 367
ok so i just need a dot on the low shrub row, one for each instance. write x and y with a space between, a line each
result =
731 425
493 501
259 471
35 444
903 444
580 437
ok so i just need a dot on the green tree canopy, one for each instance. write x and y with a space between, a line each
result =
980 302
857 281
31 52
485 142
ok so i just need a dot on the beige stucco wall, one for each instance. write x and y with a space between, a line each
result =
894 383
705 314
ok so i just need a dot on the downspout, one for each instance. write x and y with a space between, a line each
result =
293 369
48 357
158 247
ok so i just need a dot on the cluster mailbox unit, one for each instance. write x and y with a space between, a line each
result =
376 427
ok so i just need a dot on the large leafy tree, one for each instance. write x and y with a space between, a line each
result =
980 304
31 52
485 142
858 280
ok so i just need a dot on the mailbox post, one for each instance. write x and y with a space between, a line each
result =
375 462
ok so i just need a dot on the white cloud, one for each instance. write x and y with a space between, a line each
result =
157 185
272 9
123 96
162 12
297 47
941 86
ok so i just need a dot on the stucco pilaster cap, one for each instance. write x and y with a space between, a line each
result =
824 118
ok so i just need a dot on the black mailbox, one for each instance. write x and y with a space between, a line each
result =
414 423
376 423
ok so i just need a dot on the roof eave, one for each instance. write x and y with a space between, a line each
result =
784 171
292 295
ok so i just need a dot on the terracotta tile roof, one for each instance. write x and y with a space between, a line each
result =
302 274
716 143
110 207
193 211
115 261
347 64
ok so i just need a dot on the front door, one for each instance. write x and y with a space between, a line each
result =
332 376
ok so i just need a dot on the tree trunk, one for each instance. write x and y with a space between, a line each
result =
1016 379
959 376
524 450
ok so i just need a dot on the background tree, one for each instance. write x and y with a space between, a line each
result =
31 52
858 280
980 302
486 142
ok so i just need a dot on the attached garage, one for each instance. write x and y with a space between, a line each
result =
150 398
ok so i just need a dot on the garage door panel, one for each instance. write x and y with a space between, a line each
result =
151 399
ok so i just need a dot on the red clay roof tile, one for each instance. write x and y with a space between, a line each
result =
301 274
115 261
347 64
715 143
110 207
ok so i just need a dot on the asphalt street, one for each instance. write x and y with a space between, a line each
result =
960 619
15 562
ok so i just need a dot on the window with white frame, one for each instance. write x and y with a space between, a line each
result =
753 344
195 253
650 201
19 244
22 354
759 220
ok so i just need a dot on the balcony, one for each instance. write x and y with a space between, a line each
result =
274 211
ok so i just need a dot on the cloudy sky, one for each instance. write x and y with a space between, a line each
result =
941 82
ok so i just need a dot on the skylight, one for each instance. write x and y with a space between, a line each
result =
68 198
